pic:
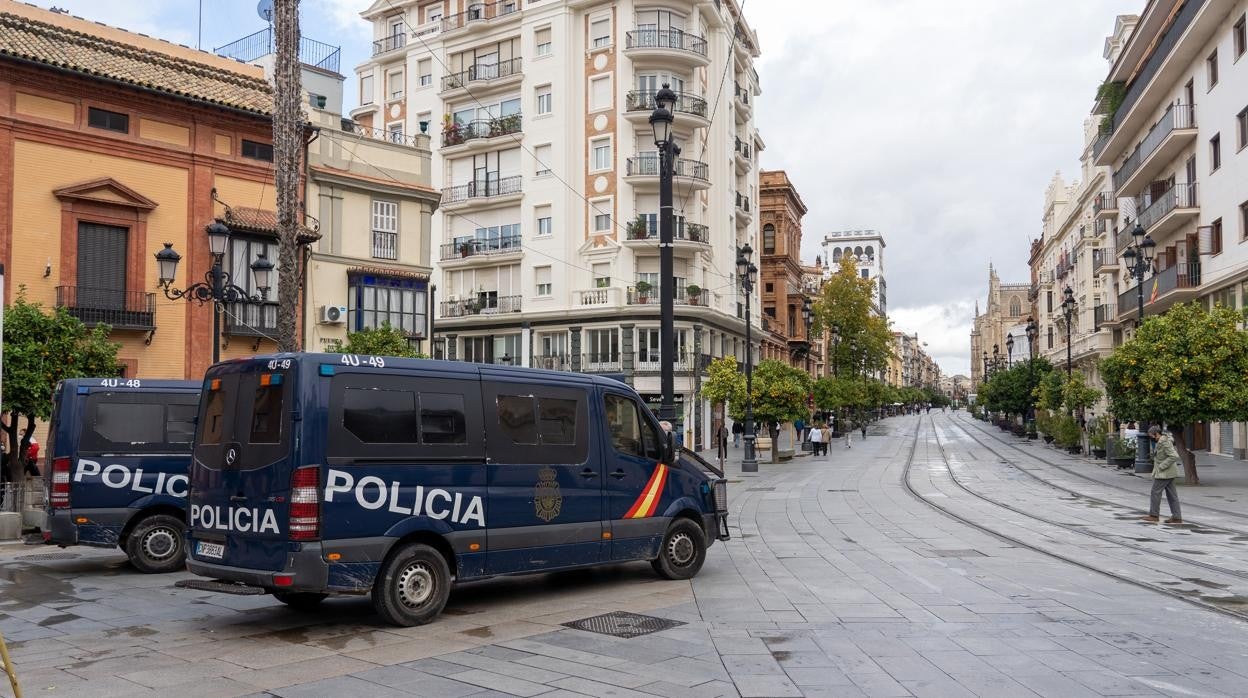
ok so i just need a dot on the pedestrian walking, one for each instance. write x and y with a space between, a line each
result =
1165 470
863 427
816 440
849 435
721 442
737 430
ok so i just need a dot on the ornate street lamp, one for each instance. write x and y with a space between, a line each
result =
1068 311
1009 350
217 287
1139 259
745 274
661 122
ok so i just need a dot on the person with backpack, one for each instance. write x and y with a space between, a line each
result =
816 440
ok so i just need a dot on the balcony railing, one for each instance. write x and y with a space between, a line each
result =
595 296
648 360
253 46
648 165
481 305
1103 257
665 38
480 72
602 362
1178 196
741 147
457 134
385 245
743 202
682 297
681 230
389 43
478 12
118 308
686 103
251 320
482 189
551 362
1104 201
1102 314
474 247
741 93
1177 277
1177 116
379 134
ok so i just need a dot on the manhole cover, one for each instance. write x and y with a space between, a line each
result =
958 553
49 556
623 624
761 489
220 587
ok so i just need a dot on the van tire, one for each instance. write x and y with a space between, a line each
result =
413 586
157 544
683 550
300 600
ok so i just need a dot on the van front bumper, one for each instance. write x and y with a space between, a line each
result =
307 570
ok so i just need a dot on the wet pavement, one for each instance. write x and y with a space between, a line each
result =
990 578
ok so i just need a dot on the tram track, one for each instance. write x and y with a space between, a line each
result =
1186 597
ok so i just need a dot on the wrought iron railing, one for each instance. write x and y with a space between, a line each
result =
741 93
686 102
601 362
457 134
385 245
552 362
681 230
478 12
743 202
665 38
1103 257
1105 201
389 43
647 360
1178 196
1177 277
741 147
481 305
482 189
380 134
489 246
1177 116
648 165
479 72
250 319
1102 314
118 308
253 46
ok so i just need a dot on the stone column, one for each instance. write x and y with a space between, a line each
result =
451 345
627 354
574 346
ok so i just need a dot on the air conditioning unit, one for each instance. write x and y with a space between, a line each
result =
333 314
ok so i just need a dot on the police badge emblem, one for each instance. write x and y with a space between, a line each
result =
547 500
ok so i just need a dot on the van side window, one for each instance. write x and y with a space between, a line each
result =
403 417
651 436
266 415
517 418
623 423
380 416
442 419
536 424
557 420
138 422
131 424
180 423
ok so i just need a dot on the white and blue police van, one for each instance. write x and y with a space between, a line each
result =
321 474
116 467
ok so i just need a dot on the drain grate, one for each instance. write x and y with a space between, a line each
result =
958 553
49 556
623 624
220 587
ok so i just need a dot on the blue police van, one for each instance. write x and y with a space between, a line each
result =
319 474
116 462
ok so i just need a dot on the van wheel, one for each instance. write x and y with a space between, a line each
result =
157 544
300 600
683 551
413 586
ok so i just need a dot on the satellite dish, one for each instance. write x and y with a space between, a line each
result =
264 8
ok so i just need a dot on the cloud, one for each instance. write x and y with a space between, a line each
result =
945 328
344 15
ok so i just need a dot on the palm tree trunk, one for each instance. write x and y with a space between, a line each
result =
287 144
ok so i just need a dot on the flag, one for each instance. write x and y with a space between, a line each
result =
1153 296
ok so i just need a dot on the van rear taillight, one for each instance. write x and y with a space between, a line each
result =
305 504
59 496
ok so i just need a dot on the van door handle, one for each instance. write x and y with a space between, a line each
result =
237 498
618 474
587 473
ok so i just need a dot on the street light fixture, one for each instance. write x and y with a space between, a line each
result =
1009 350
1033 334
217 287
1139 259
745 273
1068 311
661 123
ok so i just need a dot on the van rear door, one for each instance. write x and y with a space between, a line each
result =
241 473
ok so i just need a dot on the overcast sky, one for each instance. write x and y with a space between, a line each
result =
937 123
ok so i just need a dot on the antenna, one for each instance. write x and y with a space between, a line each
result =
264 8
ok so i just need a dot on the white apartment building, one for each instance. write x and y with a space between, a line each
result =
546 240
867 249
1178 150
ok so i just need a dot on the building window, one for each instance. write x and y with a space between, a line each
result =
601 149
394 132
544 103
604 348
248 318
1215 237
600 33
1049 300
1211 68
1240 32
1215 152
1243 221
374 301
542 280
769 287
394 84
257 151
433 13
866 273
108 120
1241 127
602 274
601 211
1050 336
101 267
385 229
545 225
425 70
541 157
600 93
769 239
366 89
543 42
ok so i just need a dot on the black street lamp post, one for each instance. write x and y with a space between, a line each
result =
1009 350
661 122
745 273
1068 312
217 287
1033 333
1139 259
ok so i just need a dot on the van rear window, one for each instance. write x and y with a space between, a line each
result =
266 415
138 422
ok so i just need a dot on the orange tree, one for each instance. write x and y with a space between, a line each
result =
1183 367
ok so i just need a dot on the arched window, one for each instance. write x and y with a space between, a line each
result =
769 239
1016 307
870 251
858 252
836 255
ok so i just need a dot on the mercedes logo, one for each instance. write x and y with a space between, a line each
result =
231 456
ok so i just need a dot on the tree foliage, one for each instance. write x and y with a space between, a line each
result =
780 392
726 384
845 302
42 348
1014 390
380 341
1182 367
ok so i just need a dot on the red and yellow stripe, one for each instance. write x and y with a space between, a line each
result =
648 502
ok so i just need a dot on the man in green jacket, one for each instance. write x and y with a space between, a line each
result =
1165 470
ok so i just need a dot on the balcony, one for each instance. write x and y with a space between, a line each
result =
262 43
688 109
1104 261
682 297
389 43
1179 283
489 190
643 170
645 232
743 154
741 98
667 45
250 320
744 215
385 245
479 134
1165 140
488 250
551 362
602 362
483 304
117 308
1105 314
648 361
1170 211
1105 206
378 134
1091 344
593 297
480 14
483 75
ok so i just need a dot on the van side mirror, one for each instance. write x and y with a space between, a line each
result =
669 448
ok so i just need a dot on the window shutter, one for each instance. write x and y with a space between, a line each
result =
101 266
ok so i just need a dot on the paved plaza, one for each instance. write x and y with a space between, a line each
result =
938 557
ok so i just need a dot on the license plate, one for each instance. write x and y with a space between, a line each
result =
214 550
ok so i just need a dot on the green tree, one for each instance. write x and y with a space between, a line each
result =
42 348
1183 367
378 341
1048 392
845 302
725 384
1077 395
779 395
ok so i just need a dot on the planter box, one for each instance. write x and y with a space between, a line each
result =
1048 439
1098 452
1123 462
1032 436
1074 450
